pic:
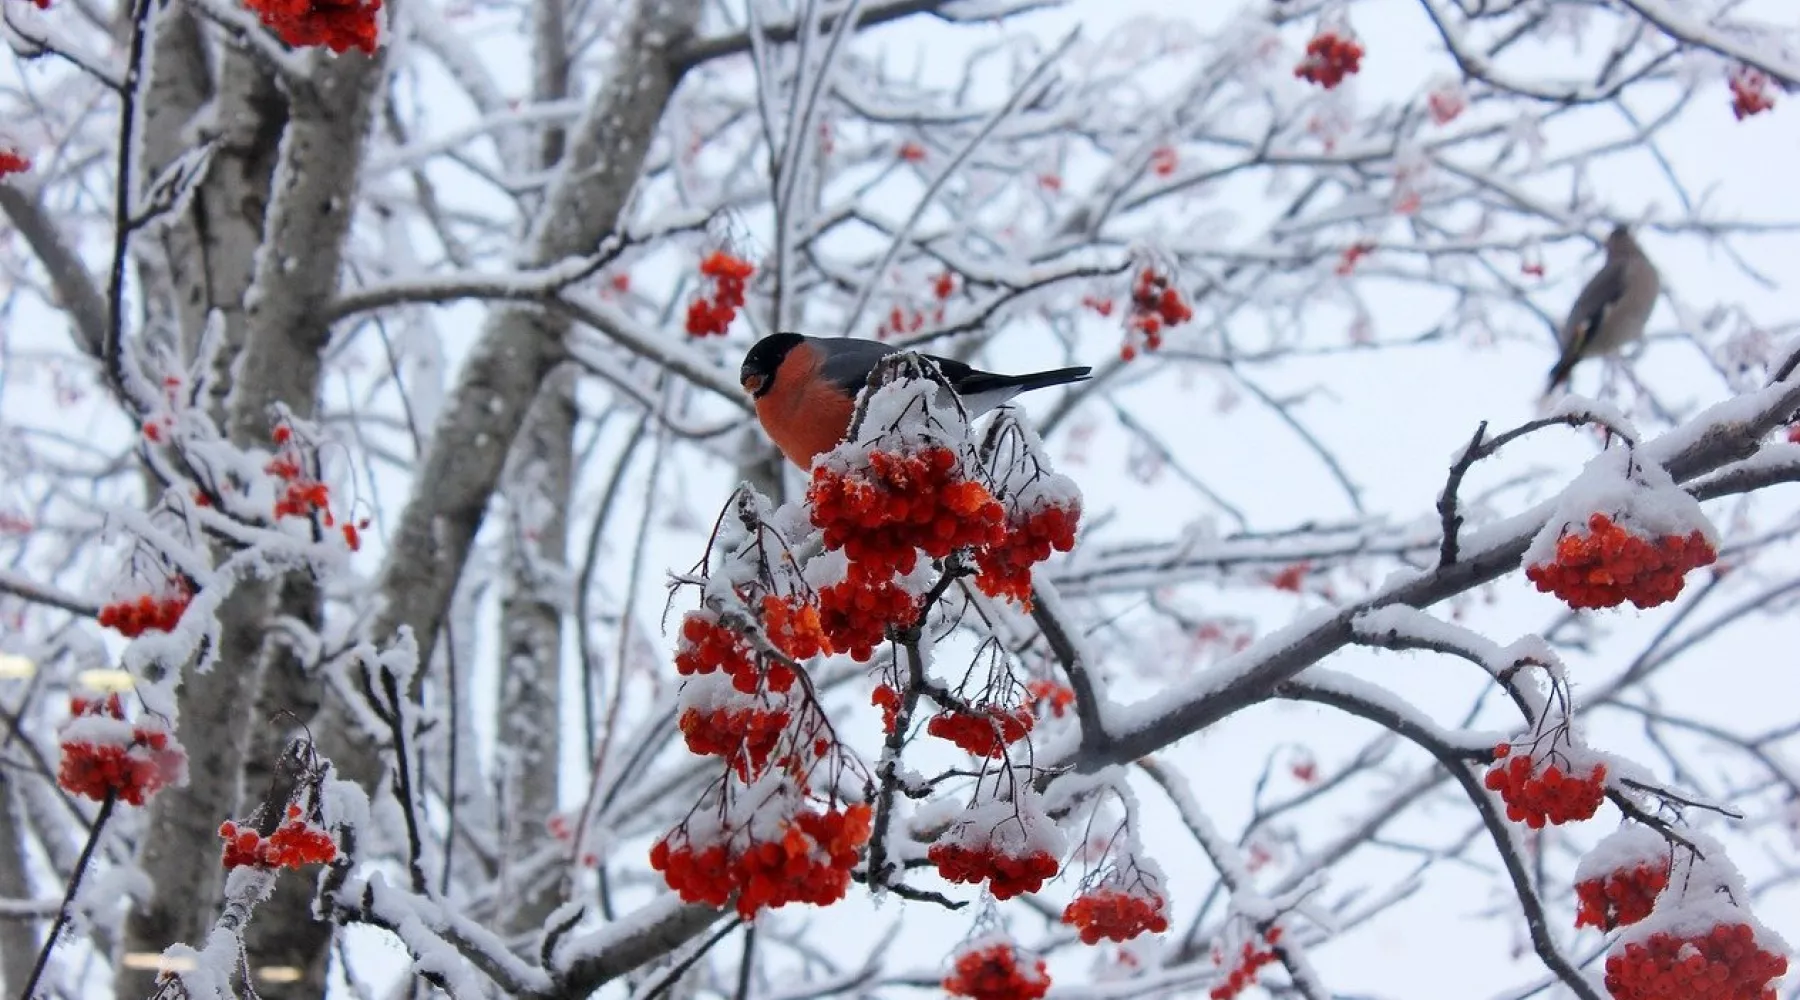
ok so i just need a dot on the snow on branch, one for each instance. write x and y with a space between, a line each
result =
1722 434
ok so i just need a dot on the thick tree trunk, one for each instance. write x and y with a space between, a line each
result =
18 945
531 620
280 246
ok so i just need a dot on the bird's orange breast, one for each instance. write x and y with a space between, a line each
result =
804 414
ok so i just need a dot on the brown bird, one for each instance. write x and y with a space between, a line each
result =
1612 310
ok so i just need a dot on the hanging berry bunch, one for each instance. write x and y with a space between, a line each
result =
774 828
12 157
339 25
295 843
1247 960
727 277
1550 780
764 845
158 610
1126 899
1751 92
1698 942
1004 838
992 967
1043 509
301 491
1156 306
986 712
1446 100
1331 55
299 837
104 754
1624 532
907 484
1617 882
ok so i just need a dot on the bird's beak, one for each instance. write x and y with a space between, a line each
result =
751 381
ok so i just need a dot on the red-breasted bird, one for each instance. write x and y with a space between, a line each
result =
1612 310
805 387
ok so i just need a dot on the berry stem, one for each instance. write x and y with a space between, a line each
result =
62 913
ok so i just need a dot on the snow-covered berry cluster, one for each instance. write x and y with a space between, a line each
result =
1725 962
105 755
993 968
160 612
803 857
712 313
1618 881
296 843
339 25
985 732
1623 532
1156 306
1004 840
1537 791
1117 909
1608 565
1250 957
1751 92
1330 57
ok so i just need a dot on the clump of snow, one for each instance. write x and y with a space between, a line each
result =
1626 848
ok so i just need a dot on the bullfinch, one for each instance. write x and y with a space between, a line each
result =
1612 310
805 387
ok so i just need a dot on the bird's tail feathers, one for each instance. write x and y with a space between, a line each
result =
1559 372
977 384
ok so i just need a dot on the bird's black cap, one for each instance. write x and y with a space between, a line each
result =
757 375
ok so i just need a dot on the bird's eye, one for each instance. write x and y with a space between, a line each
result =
753 383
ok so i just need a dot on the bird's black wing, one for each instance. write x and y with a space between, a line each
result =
849 360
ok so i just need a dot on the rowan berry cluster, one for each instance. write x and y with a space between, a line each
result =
888 700
294 844
1621 897
857 611
1750 92
11 160
102 754
997 971
793 626
302 494
1536 796
707 645
745 737
713 314
1352 255
1446 101
1156 305
1163 161
1726 963
809 862
911 152
1006 874
1005 568
1108 911
1609 565
132 618
1251 959
339 25
1049 695
1329 58
883 515
986 732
